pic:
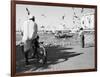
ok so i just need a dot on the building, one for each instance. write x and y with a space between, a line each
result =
87 21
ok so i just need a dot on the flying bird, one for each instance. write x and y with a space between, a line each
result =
28 11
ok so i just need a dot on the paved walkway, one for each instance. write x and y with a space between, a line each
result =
69 58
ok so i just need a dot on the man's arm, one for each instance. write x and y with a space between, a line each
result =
35 30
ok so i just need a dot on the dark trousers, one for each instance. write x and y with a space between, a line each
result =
26 56
83 42
35 46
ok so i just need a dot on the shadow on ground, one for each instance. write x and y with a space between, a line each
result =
55 54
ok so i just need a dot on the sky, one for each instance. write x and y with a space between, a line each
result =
51 17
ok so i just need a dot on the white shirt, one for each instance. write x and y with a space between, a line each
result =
81 33
29 29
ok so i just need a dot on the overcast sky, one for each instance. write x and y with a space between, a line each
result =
50 16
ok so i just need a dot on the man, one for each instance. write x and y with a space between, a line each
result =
29 30
81 34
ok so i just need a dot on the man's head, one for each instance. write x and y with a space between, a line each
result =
32 18
81 28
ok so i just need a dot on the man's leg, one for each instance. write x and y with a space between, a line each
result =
22 49
83 42
35 49
26 57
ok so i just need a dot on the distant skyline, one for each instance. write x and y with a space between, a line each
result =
51 17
